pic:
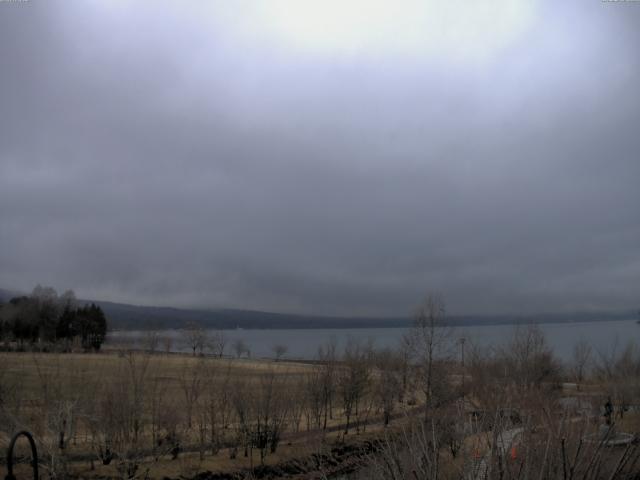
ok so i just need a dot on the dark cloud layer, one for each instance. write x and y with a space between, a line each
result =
152 156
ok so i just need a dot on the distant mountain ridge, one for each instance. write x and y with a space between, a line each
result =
126 316
123 316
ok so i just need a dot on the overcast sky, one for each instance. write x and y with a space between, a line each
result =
333 157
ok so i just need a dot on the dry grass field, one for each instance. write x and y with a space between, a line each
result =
171 415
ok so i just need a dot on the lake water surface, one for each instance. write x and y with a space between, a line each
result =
304 343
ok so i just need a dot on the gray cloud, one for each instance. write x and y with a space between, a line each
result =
150 156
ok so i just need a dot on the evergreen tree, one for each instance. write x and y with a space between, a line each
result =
43 316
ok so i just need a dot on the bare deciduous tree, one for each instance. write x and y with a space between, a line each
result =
430 342
218 403
192 384
279 351
581 358
388 382
529 358
240 347
150 342
353 379
314 400
327 378
217 343
118 416
194 337
168 344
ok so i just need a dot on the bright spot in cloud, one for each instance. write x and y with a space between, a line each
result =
462 28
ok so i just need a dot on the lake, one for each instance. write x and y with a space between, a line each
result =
304 343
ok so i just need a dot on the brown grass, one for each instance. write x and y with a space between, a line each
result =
29 378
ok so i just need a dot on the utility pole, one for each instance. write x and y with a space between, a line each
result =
462 340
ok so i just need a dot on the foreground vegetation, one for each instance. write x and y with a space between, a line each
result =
436 407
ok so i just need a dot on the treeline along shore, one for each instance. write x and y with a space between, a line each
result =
47 321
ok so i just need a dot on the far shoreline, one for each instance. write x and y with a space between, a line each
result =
453 322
